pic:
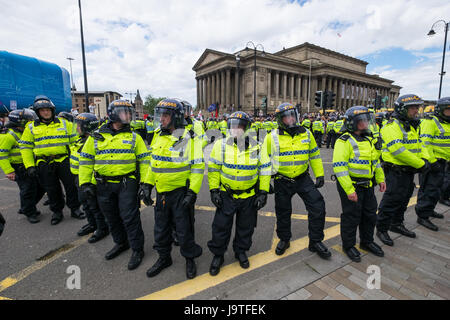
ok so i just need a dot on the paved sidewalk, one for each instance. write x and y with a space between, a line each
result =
413 269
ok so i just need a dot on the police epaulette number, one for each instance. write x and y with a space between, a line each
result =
97 136
344 137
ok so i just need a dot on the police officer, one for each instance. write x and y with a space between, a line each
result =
357 168
318 131
11 163
237 187
403 155
86 124
331 137
45 151
435 134
66 115
177 168
442 111
291 149
338 128
115 156
193 124
3 117
150 129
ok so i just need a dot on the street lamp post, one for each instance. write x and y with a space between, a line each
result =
86 93
238 64
431 33
255 47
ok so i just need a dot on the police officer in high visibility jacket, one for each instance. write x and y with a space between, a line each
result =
442 111
238 187
290 150
435 134
149 127
194 125
403 155
11 163
331 137
357 168
115 156
318 131
45 151
338 127
86 124
177 168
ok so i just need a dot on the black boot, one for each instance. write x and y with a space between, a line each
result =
385 238
86 229
136 259
33 219
160 265
437 215
216 263
353 254
445 202
191 268
320 248
402 230
98 235
281 247
118 249
373 248
56 218
243 260
427 224
77 214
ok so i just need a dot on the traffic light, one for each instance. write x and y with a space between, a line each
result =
377 102
319 99
330 99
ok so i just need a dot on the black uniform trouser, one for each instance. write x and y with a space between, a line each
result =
50 176
314 202
169 211
119 203
318 137
335 137
399 189
362 213
246 217
31 191
331 139
429 191
90 206
445 190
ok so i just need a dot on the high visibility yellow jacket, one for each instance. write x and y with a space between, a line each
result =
401 147
75 150
10 150
237 167
199 131
175 161
338 126
318 126
307 124
222 126
435 135
356 157
330 126
116 153
149 126
291 156
40 139
267 125
138 125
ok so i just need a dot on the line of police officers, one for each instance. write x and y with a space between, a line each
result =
115 170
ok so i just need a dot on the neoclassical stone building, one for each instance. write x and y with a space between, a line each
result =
290 75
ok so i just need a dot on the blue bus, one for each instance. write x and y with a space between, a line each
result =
23 78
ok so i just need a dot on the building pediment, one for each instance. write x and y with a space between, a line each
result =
207 57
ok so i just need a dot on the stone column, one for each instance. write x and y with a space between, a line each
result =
284 86
218 87
198 93
236 84
314 86
291 89
305 90
277 86
228 88
339 94
269 90
222 90
208 90
330 84
299 88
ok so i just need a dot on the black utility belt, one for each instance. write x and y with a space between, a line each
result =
232 192
395 167
361 182
293 180
51 158
103 179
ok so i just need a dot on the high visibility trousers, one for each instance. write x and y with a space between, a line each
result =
31 191
399 189
50 176
429 191
246 216
119 203
90 206
169 211
362 214
314 203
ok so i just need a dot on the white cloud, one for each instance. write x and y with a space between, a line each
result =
153 45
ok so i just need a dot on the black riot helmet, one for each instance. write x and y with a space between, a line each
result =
287 110
172 108
402 104
19 118
42 102
121 111
87 122
441 106
66 115
356 114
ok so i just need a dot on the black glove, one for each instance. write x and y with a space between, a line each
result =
320 181
88 190
261 200
426 167
216 198
32 172
189 199
145 193
2 224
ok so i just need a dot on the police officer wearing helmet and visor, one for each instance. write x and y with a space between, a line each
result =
237 187
117 157
66 115
45 151
404 155
442 111
290 150
176 171
435 134
11 163
86 124
357 168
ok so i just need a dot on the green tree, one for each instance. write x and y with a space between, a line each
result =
150 103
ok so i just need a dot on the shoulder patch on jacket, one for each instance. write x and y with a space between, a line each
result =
344 137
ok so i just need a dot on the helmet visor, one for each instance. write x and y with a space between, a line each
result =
365 122
125 114
289 119
237 127
163 118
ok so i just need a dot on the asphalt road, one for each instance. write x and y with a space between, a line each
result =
35 259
